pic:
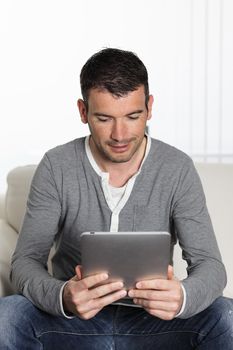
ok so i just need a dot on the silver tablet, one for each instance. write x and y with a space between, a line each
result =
126 256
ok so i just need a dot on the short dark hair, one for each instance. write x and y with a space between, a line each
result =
117 71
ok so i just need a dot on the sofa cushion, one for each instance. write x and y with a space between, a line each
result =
8 239
217 181
19 181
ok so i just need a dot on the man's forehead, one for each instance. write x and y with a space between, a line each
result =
105 95
105 103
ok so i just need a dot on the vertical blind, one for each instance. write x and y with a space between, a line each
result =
201 117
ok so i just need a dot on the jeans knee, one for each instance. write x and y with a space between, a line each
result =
222 310
12 311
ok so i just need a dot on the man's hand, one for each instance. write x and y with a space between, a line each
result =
159 297
82 296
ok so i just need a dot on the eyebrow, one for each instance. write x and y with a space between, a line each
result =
97 114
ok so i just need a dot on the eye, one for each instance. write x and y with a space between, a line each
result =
102 119
134 117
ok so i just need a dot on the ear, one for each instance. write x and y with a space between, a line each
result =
149 106
82 111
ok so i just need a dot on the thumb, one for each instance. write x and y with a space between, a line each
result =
78 270
170 272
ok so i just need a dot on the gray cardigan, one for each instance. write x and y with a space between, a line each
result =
66 199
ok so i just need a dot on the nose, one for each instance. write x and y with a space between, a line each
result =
118 131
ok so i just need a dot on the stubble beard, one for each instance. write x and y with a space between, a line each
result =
120 158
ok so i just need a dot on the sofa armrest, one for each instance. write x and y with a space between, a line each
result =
8 239
2 206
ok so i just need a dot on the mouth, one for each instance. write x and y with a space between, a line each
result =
119 148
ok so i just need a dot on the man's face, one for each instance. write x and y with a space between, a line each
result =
117 125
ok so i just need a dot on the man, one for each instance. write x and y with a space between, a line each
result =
116 179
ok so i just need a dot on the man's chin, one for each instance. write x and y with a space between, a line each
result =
118 159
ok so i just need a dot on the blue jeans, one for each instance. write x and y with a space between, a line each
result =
23 326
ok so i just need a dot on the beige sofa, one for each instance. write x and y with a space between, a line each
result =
217 181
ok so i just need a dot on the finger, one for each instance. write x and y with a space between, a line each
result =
150 294
78 275
105 289
101 302
170 273
156 305
78 270
158 284
98 292
91 281
89 314
111 298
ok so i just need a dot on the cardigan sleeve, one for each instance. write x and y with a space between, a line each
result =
41 224
206 277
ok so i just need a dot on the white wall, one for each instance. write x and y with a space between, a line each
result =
186 44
